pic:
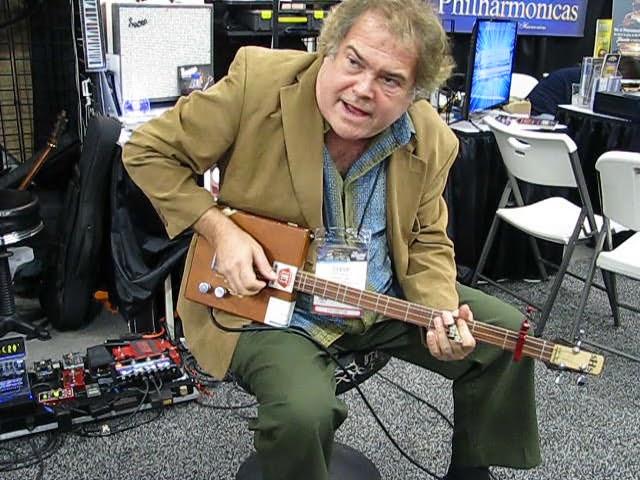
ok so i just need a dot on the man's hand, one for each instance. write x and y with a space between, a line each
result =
440 346
238 255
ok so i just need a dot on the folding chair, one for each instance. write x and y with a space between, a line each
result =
548 159
521 85
620 194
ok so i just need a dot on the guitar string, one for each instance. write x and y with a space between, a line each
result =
402 309
533 346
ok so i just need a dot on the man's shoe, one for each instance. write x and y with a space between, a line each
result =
467 473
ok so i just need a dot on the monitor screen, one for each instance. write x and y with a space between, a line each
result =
493 49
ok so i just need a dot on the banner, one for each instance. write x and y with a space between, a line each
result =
626 27
560 18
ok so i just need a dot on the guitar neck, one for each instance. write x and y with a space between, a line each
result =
417 314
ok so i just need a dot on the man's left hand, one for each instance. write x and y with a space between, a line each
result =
445 349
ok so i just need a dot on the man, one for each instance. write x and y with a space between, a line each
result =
553 90
343 139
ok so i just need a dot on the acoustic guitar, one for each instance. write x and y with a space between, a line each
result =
286 246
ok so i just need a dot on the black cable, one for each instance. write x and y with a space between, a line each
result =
40 474
416 397
36 456
422 400
304 334
11 451
117 427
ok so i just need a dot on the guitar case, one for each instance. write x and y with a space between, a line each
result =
73 271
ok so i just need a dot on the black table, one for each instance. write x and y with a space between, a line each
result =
594 135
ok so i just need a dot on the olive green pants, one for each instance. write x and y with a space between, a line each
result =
293 380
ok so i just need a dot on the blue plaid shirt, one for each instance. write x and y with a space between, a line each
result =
358 201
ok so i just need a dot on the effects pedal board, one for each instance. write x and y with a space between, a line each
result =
15 389
118 377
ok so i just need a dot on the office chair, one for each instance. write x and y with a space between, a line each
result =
620 194
19 220
346 463
521 85
548 159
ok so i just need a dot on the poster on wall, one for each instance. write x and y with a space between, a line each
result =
560 18
626 27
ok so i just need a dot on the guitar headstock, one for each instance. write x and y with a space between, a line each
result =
58 128
576 360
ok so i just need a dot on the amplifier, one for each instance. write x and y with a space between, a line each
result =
618 104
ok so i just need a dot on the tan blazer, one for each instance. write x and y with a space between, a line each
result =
261 124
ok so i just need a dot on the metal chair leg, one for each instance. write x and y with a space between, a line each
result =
536 254
555 288
486 248
610 285
586 289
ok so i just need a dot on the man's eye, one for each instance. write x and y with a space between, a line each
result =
390 82
353 62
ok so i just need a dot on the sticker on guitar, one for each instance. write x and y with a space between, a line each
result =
285 277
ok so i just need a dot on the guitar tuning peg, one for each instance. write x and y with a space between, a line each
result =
558 378
581 381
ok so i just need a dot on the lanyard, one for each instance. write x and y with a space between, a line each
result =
381 166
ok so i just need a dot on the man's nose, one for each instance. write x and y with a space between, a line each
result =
364 86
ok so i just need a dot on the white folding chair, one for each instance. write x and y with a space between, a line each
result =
620 194
521 85
548 159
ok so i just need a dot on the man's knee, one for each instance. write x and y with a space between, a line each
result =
304 415
489 309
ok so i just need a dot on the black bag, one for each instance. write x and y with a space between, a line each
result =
142 254
72 273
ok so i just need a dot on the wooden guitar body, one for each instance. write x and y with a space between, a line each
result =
282 242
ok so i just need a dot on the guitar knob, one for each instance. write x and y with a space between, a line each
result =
204 287
220 292
581 381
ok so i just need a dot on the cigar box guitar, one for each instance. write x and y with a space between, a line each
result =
286 246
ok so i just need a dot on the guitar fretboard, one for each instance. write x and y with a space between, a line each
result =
417 314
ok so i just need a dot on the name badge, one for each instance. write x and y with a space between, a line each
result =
342 257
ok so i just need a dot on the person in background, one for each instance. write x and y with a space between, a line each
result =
553 90
342 138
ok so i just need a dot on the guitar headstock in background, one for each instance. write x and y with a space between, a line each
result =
52 143
58 128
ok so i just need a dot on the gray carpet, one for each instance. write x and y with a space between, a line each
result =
590 432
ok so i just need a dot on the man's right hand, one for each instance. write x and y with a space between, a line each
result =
238 255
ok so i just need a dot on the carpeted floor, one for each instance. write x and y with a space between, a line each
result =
588 433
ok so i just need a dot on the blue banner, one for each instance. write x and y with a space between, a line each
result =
559 18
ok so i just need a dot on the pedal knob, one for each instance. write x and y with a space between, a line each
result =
204 287
220 292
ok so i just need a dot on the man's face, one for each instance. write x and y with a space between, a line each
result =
368 84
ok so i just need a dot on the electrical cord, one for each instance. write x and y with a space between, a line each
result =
106 430
304 334
422 400
205 383
416 397
36 453
37 456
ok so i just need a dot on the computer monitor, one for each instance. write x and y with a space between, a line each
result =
491 59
